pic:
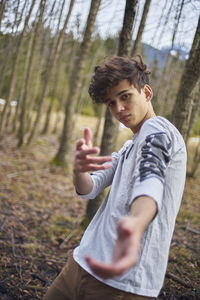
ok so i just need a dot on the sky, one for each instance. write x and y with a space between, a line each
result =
110 18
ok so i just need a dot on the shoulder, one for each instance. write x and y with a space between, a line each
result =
161 125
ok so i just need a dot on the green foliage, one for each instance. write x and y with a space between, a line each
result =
180 254
88 110
186 216
196 129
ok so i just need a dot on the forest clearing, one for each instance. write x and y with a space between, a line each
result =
49 51
41 216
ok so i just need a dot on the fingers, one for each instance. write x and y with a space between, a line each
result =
85 163
88 137
86 141
102 270
92 167
82 153
106 271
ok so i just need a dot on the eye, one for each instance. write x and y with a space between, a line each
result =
111 103
125 96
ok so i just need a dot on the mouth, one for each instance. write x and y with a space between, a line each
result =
124 118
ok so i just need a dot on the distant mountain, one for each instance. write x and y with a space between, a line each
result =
161 55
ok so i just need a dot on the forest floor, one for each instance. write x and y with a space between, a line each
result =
40 219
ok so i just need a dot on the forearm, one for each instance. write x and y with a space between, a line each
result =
82 182
143 210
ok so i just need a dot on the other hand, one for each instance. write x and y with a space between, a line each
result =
125 254
84 161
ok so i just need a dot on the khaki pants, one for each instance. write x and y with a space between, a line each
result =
74 283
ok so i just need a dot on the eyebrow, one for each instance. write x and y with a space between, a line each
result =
118 94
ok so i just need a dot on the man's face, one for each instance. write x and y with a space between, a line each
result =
129 106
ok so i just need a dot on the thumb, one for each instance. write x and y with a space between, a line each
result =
88 137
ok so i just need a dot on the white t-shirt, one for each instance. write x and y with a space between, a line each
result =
153 163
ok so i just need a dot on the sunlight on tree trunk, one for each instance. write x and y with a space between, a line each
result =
191 74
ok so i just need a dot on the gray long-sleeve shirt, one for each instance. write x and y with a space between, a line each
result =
152 164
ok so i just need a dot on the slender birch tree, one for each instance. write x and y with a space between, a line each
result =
191 74
14 70
27 74
137 43
158 97
57 59
195 109
53 56
76 80
111 125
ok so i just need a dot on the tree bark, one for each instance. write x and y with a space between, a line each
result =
27 73
2 8
56 49
137 43
191 74
57 63
111 125
100 114
76 80
10 46
195 110
167 68
14 70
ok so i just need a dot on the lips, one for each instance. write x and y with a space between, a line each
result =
124 118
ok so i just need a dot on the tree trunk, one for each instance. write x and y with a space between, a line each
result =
56 63
159 23
164 26
2 8
191 74
111 125
167 68
56 49
14 70
196 162
137 43
195 110
10 46
101 113
38 67
27 75
76 79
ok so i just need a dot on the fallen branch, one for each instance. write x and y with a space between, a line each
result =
34 287
36 276
191 230
66 240
4 223
178 280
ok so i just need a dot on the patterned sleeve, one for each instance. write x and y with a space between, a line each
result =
154 155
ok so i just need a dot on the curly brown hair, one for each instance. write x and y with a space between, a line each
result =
115 70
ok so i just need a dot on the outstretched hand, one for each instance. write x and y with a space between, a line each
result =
84 160
125 254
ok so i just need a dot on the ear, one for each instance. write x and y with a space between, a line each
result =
148 92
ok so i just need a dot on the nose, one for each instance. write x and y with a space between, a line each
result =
119 107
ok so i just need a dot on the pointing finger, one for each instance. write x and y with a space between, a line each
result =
79 144
88 137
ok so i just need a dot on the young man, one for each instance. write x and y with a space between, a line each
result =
124 251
